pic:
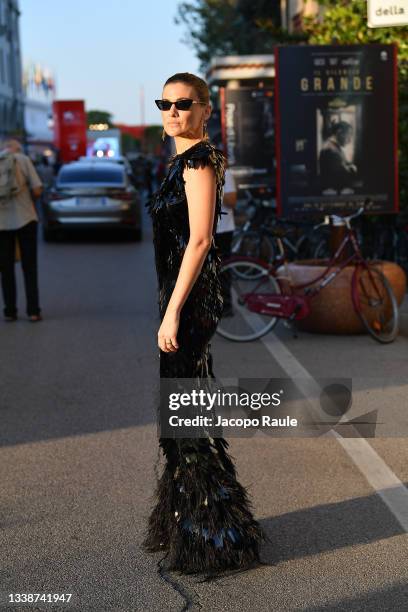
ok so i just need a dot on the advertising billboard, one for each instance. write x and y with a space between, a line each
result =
248 134
336 133
70 127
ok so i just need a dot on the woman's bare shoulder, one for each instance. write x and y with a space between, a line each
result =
204 155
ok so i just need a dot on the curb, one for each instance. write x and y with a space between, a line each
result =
403 317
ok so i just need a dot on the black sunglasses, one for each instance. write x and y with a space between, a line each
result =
184 104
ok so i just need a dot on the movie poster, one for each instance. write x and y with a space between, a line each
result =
336 111
248 134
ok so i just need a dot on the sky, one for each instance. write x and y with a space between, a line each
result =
106 51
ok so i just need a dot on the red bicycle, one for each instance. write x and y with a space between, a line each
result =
260 297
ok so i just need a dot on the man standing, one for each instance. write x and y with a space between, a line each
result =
223 238
18 222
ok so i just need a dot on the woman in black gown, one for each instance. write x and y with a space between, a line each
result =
202 515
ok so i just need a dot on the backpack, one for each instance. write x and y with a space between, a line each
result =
8 178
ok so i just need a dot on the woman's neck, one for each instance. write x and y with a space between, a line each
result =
182 144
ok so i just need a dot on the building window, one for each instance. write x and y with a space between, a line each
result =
2 75
10 70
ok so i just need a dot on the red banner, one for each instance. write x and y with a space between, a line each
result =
70 127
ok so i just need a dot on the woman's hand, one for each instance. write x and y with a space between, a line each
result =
167 334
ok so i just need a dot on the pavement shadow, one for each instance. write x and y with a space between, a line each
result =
328 527
391 598
53 411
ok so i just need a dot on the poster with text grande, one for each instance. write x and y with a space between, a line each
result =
336 132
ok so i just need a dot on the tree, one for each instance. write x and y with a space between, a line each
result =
98 116
232 27
345 22
152 138
129 143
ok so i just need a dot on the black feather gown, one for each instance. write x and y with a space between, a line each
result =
202 516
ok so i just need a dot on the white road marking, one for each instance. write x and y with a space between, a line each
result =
377 473
383 480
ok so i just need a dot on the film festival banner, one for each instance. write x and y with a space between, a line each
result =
248 134
336 129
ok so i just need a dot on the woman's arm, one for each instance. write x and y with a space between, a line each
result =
200 187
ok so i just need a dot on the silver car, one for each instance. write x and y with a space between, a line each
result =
89 194
119 159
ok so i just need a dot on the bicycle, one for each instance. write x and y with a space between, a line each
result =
257 237
260 297
390 241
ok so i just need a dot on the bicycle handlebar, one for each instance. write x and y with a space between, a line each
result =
257 201
337 220
347 220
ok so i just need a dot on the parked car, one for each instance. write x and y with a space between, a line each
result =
92 194
119 159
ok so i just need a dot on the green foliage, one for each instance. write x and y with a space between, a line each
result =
241 27
153 131
345 22
152 138
98 116
232 27
129 143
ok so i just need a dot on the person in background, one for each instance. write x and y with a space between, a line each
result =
160 171
19 221
223 238
148 176
57 162
46 173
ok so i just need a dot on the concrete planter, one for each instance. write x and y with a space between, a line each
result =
332 310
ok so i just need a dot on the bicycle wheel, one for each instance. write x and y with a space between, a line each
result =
322 249
253 244
375 303
402 250
246 278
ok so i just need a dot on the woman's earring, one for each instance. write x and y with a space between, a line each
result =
205 131
164 134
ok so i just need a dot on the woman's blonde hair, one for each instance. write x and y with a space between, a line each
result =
200 86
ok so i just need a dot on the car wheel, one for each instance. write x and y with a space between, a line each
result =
135 235
48 235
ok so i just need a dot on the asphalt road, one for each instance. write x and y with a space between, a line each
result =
79 460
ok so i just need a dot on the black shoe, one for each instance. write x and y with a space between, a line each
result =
11 318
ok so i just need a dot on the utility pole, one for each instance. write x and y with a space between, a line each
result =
142 117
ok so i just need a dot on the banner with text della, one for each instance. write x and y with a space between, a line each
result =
336 128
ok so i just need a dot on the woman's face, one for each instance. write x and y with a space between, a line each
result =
187 124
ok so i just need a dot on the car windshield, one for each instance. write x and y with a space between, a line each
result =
102 175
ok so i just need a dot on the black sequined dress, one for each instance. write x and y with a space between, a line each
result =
202 514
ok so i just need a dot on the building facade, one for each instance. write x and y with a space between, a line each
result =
39 93
292 12
11 89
